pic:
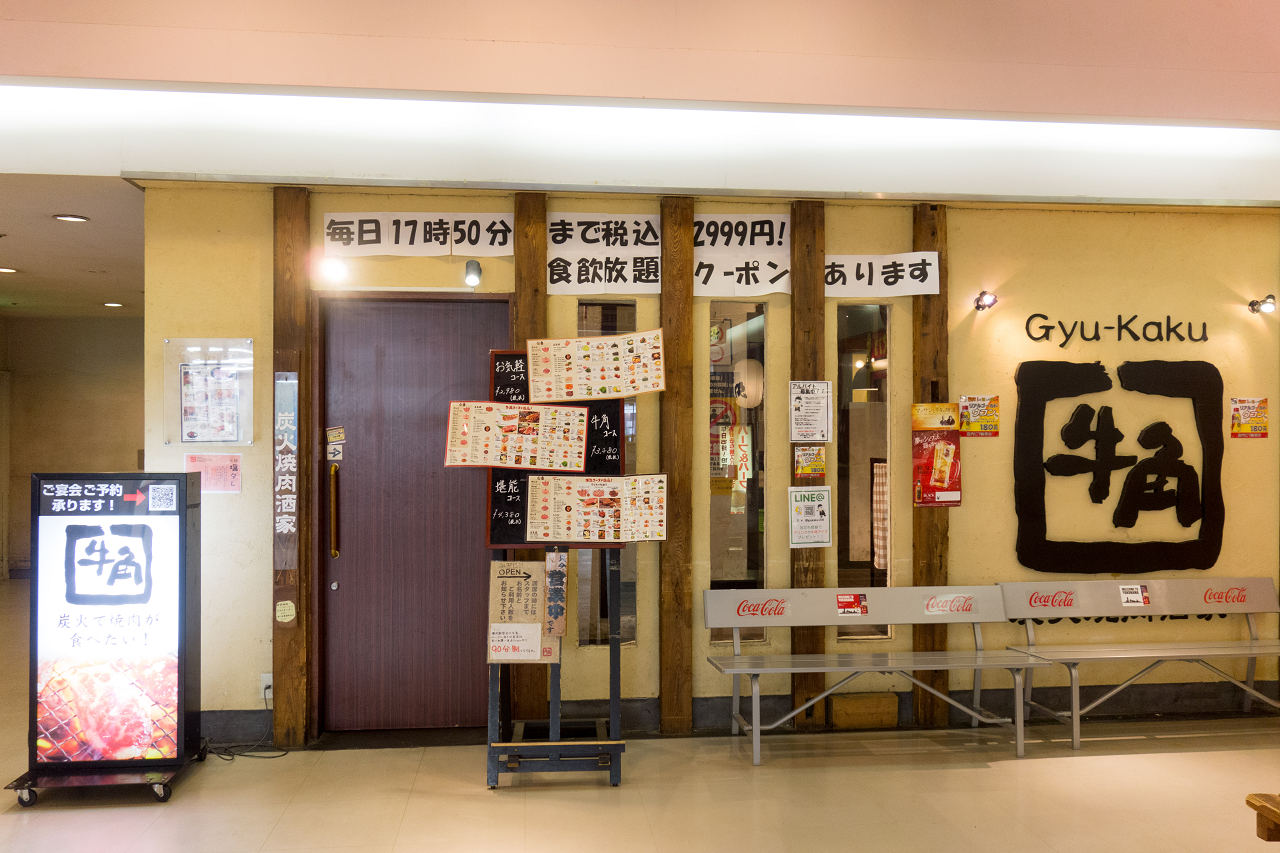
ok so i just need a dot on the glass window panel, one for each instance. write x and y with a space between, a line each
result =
863 452
737 450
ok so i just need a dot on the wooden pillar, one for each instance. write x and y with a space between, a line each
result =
675 620
291 585
929 525
808 340
529 693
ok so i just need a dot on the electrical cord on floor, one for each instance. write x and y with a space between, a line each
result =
232 751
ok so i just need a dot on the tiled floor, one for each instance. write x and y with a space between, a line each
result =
1158 786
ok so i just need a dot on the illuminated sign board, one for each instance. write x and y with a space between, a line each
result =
111 629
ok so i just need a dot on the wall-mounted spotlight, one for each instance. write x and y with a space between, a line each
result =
1266 305
984 300
472 277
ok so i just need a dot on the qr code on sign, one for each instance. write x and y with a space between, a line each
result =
163 498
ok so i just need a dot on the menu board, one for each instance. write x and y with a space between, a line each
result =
503 435
576 369
210 396
597 509
508 489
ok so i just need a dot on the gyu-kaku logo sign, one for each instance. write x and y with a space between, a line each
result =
1118 475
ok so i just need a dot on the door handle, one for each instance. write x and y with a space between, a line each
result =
333 510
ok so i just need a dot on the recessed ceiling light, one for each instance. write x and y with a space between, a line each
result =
112 305
70 217
7 269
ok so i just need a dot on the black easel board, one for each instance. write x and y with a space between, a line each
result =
509 488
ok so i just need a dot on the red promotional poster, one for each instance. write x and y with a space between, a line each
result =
935 454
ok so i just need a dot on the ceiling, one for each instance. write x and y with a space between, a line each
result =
70 269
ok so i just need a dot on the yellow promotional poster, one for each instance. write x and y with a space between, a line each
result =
1248 417
811 460
980 416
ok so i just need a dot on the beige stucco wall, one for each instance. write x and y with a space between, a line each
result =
209 275
1089 265
75 404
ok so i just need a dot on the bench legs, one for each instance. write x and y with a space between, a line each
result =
735 708
1019 715
1074 670
755 719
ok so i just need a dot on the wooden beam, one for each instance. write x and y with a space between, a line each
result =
529 691
808 340
929 525
291 580
675 620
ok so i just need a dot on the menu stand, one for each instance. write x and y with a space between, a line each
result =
557 755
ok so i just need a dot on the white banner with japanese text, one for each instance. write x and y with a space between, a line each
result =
595 253
419 234
741 255
906 274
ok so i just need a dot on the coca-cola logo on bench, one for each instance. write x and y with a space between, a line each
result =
949 604
1232 595
772 607
1058 598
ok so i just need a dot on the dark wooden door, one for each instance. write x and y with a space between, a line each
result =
405 603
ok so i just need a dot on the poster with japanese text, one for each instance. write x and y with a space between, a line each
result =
980 416
810 411
210 399
581 369
744 255
504 435
811 461
595 253
1249 417
108 595
219 472
904 274
420 234
517 607
810 516
935 454
597 510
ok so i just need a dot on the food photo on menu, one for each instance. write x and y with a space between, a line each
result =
598 510
597 368
506 435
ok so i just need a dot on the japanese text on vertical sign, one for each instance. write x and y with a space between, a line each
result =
418 234
285 441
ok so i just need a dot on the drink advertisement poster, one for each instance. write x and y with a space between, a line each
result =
581 369
1249 417
935 454
107 617
980 416
506 435
810 525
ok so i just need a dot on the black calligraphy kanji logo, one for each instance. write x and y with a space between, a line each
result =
1159 481
110 566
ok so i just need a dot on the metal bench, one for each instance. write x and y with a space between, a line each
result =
1028 602
973 605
